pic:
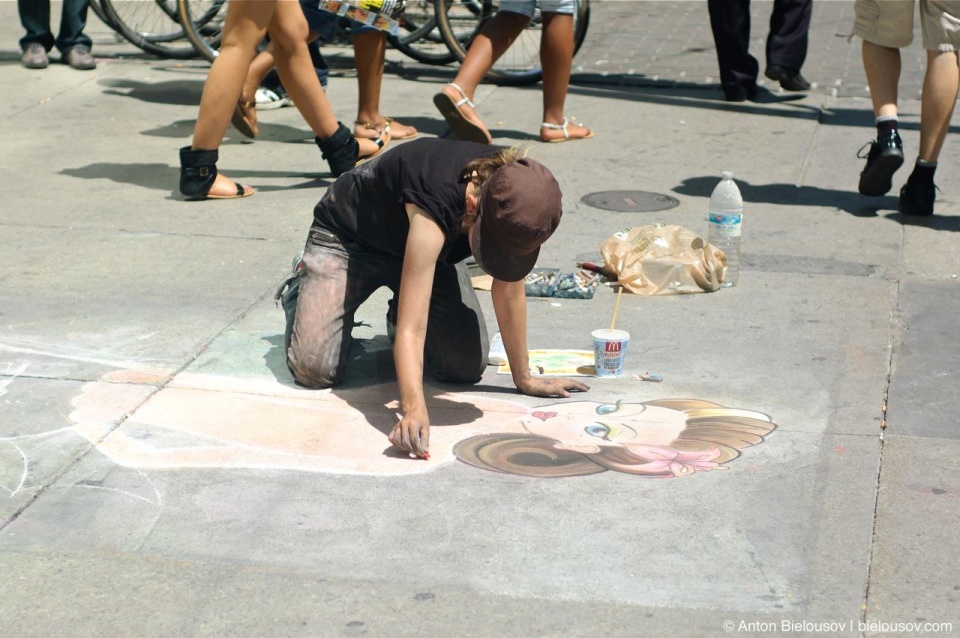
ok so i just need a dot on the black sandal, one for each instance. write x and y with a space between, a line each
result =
379 141
341 150
198 171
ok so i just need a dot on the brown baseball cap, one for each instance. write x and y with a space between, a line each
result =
519 209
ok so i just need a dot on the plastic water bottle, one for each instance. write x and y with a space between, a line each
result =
725 220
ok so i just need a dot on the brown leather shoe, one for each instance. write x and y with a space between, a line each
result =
35 57
78 57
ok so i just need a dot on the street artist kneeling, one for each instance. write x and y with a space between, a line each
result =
407 220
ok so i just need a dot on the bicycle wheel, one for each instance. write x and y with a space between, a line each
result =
459 21
419 37
151 25
97 8
203 23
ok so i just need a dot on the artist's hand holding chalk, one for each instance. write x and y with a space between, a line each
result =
550 387
412 434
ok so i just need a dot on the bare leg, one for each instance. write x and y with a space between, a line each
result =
369 49
939 98
261 65
288 34
496 37
882 67
245 27
556 56
259 68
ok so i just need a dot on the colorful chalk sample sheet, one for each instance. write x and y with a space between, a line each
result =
558 363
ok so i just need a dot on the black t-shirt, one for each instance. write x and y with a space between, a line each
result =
367 204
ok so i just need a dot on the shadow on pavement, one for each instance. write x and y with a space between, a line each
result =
164 177
950 223
848 201
174 92
788 194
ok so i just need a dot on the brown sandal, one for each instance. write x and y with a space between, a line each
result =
245 118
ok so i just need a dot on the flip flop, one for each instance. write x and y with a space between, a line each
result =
245 118
460 126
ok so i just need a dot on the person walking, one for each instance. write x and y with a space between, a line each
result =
455 101
246 25
71 41
886 27
786 48
407 220
369 51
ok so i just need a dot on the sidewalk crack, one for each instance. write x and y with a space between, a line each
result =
891 344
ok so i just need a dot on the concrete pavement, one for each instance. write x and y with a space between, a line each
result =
160 474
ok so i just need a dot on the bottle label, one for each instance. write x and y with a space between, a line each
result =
726 225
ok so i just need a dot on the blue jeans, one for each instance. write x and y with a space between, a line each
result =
35 18
338 276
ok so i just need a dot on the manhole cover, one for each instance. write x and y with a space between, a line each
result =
630 201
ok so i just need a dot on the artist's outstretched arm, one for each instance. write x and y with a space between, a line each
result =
424 242
510 305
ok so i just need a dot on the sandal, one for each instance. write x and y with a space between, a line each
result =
342 150
245 118
198 172
381 128
566 133
461 127
381 142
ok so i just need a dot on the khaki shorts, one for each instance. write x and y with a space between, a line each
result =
889 23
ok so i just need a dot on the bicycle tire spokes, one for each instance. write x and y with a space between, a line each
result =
152 25
419 38
203 24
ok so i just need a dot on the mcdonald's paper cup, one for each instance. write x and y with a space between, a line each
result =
609 347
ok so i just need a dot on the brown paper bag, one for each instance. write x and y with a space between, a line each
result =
664 259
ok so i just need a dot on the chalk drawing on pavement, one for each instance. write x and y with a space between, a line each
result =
214 421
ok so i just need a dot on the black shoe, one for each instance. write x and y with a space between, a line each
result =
916 198
764 96
789 79
883 160
739 93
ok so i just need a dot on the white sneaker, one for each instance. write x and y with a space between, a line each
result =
268 99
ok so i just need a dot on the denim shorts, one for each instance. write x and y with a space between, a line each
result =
889 23
324 23
527 7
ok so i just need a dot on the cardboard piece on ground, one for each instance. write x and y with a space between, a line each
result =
482 282
558 363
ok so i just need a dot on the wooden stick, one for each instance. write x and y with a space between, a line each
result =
616 308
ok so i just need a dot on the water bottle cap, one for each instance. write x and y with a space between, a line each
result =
727 174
